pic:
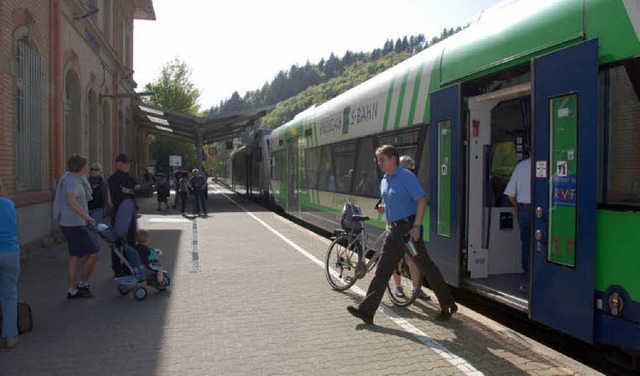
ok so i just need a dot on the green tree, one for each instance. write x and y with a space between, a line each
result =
174 91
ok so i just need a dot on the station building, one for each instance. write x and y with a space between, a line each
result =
66 84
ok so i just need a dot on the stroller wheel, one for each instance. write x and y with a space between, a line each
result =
123 290
141 293
166 282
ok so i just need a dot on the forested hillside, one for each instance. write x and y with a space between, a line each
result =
300 87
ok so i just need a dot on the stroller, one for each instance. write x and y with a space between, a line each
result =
142 271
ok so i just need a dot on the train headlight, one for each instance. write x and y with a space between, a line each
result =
616 304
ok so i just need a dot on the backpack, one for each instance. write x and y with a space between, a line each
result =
346 220
25 320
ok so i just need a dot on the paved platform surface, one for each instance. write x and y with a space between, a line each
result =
255 302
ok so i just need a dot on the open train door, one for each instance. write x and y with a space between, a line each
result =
445 201
565 150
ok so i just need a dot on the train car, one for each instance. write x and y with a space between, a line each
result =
558 77
250 168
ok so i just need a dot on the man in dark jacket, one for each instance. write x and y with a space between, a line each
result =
198 185
122 186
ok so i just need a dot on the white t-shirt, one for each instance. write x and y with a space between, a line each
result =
520 183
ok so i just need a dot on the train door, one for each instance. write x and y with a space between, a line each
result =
500 123
292 196
565 87
446 194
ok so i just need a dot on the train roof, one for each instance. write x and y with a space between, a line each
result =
504 36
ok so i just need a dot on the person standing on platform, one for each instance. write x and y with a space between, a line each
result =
9 270
101 198
404 204
408 163
198 184
71 208
122 186
182 187
163 192
519 192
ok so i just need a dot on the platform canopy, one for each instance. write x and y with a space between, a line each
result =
200 130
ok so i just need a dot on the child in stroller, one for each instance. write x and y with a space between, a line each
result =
151 258
130 257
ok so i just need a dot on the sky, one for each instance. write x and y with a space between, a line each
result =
238 45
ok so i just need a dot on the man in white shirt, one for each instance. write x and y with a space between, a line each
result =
519 192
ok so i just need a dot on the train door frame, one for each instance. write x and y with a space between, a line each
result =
447 171
565 87
480 223
292 178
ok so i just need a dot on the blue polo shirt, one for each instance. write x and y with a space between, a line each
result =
399 193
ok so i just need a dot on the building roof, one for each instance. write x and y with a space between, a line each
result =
184 126
144 10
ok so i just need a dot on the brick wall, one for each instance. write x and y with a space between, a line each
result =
84 50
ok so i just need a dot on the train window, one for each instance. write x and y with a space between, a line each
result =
622 127
344 164
401 140
366 172
406 142
326 175
310 172
503 161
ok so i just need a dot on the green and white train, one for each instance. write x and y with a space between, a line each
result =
559 76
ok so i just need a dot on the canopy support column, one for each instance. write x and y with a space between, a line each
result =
199 146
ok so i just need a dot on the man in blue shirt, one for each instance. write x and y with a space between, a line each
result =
404 205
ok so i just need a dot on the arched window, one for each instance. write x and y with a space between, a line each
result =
93 128
32 143
107 138
122 138
72 127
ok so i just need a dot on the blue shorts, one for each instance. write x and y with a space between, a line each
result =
79 240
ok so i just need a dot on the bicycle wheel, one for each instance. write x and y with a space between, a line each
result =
402 294
340 263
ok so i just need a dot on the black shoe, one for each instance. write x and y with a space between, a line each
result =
445 315
73 296
367 318
84 292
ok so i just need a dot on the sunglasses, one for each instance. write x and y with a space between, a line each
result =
95 169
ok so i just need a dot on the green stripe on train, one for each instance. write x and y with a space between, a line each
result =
403 89
388 106
416 92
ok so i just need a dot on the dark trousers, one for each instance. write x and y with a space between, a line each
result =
183 201
175 198
393 249
117 265
198 197
524 222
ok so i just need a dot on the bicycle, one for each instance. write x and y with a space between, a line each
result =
346 262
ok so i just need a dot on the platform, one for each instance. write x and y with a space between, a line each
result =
249 297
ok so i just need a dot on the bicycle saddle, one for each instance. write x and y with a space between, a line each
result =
359 218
